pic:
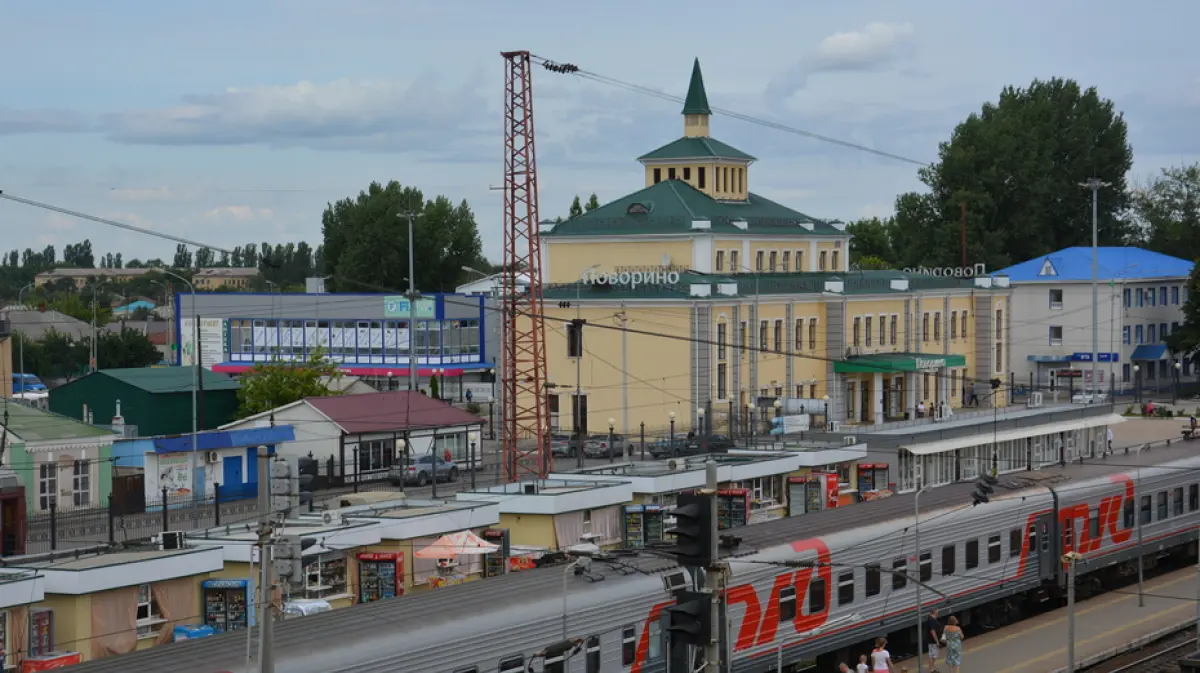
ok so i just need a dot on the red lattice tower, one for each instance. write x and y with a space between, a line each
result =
525 434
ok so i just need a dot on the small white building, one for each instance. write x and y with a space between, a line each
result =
367 434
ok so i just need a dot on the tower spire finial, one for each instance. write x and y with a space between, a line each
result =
696 102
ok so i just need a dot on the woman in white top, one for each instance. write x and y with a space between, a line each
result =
863 666
881 659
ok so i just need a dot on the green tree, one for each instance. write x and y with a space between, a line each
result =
183 257
872 263
1166 212
872 238
365 240
273 384
434 390
1185 341
1017 165
576 209
127 348
592 203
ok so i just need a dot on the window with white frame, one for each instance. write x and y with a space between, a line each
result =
1056 298
764 491
374 455
1056 335
81 483
47 485
325 576
149 618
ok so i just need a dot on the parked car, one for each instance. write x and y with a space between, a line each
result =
596 446
716 444
685 446
561 446
421 471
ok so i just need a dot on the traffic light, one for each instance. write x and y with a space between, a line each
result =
287 553
689 621
307 467
285 487
985 486
693 531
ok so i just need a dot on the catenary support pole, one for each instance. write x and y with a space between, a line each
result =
1095 185
1071 559
1137 503
625 385
266 628
713 575
414 373
917 554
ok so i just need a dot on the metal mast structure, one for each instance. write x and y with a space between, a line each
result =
525 409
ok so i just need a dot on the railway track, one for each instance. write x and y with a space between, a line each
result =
1160 656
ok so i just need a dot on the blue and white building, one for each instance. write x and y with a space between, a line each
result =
372 336
1140 302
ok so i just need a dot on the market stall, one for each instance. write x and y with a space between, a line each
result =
447 550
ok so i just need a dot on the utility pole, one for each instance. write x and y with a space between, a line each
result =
625 383
1071 559
714 577
414 377
266 626
1095 185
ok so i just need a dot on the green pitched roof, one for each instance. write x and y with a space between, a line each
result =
35 425
168 379
671 206
696 148
874 282
696 102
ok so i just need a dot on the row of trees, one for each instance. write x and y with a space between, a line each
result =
58 356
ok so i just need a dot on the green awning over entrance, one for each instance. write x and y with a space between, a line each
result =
897 362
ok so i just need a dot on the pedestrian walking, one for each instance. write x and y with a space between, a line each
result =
881 659
862 667
952 636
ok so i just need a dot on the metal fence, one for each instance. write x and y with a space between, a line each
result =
68 528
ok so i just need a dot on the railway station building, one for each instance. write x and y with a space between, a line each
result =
702 299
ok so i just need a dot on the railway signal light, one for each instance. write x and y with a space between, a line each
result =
689 621
985 486
693 531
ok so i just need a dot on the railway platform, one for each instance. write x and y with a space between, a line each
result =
1105 626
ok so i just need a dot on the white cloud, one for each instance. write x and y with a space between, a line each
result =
239 214
870 47
875 46
344 114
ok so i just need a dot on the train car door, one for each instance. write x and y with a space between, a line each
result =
1047 559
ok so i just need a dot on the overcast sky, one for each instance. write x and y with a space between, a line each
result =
234 121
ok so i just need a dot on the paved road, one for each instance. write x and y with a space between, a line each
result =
1102 624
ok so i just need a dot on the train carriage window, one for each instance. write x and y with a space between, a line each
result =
468 669
1014 542
628 645
899 578
591 652
787 604
816 596
513 663
926 566
1127 513
972 554
1068 534
948 560
1193 497
1094 526
656 640
1162 505
873 584
993 549
846 588
1146 515
1177 502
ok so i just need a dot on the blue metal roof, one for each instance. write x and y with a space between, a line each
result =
1075 264
225 439
1149 352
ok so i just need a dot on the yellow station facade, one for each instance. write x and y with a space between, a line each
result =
699 294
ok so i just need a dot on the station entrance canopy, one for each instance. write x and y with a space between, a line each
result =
897 362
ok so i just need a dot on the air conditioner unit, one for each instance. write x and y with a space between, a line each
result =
212 457
331 517
849 440
835 426
1034 401
171 540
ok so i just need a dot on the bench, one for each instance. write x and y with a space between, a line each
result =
1190 433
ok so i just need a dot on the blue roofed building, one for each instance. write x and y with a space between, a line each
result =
1140 301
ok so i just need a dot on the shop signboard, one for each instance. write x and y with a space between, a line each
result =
174 473
398 307
949 271
632 279
214 341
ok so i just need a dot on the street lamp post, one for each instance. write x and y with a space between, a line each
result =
750 408
195 361
1137 384
700 411
671 437
492 406
828 425
612 451
1175 385
778 404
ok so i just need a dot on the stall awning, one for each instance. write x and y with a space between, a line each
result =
462 543
953 444
897 362
1149 352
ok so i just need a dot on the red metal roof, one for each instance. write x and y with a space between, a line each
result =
393 411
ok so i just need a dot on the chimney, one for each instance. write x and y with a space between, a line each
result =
118 421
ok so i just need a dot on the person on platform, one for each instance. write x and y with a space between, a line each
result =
881 659
863 666
952 636
932 636
843 668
